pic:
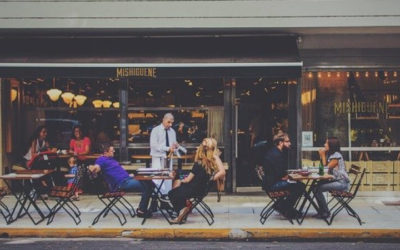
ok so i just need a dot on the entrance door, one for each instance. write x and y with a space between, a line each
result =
261 111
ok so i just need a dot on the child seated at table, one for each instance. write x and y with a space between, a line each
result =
73 171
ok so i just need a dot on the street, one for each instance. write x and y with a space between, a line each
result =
127 243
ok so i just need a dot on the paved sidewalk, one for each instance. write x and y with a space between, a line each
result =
236 217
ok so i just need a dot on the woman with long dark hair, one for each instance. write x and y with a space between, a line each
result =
37 143
79 144
332 158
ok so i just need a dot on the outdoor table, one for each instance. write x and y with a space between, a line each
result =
147 158
307 193
156 193
28 195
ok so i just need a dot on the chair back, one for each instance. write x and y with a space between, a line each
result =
80 175
359 182
354 171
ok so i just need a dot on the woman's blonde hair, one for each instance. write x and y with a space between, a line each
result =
205 155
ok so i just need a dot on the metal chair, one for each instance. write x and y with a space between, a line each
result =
64 194
5 212
275 198
343 198
110 199
201 206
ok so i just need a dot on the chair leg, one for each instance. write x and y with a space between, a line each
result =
210 220
63 204
128 206
76 218
206 208
109 207
344 205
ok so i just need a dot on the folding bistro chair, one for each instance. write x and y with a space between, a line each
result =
343 198
63 195
275 198
111 199
3 207
201 206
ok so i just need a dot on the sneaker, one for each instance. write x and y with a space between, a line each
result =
164 198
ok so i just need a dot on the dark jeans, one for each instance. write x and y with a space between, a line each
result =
145 187
324 186
295 190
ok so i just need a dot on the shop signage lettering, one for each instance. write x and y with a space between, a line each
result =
136 72
360 107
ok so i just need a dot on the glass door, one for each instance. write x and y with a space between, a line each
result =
261 110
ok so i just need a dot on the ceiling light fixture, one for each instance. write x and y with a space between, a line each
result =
54 94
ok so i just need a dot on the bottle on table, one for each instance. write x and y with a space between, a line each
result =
321 168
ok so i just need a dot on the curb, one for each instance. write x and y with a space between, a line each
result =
220 233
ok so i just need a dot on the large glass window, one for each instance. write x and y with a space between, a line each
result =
61 104
196 105
362 109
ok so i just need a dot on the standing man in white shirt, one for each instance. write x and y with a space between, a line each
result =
162 143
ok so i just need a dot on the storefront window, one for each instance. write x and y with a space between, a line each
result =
197 106
61 104
361 108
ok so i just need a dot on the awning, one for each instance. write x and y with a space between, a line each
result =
164 57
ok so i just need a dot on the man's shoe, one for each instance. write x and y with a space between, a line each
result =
142 214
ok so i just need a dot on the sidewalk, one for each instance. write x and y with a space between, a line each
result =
236 217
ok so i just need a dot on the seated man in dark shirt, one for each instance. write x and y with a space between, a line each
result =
118 179
275 179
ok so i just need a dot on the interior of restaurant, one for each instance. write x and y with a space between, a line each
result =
197 104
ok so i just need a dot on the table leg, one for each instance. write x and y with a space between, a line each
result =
25 200
156 198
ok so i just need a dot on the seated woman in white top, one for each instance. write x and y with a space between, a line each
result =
37 144
331 157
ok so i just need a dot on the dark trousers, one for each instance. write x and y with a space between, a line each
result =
295 190
179 195
145 187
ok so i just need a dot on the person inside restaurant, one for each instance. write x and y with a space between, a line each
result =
118 179
33 160
79 144
73 171
162 144
207 164
330 156
38 143
275 167
182 135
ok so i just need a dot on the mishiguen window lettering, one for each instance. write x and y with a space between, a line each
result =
136 72
360 107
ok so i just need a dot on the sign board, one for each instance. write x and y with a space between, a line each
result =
306 138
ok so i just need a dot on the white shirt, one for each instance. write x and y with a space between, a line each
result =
158 147
39 147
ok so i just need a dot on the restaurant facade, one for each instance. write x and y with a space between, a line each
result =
238 76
